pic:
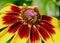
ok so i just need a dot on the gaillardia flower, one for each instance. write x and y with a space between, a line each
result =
24 24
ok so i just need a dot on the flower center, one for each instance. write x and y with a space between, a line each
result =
30 13
30 16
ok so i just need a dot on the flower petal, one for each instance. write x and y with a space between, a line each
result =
14 27
3 32
14 14
17 39
15 9
22 35
45 35
35 36
56 36
48 27
5 37
1 23
53 21
24 31
10 19
9 16
45 17
10 7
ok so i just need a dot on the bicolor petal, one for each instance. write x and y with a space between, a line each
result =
22 35
56 36
35 37
55 29
44 34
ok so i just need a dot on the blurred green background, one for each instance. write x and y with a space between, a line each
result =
46 7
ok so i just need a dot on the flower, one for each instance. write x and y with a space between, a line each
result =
24 24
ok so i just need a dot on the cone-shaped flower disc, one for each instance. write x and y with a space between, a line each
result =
24 24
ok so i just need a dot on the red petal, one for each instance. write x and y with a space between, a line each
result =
48 18
10 19
14 27
34 35
48 27
12 13
15 9
24 31
47 23
43 32
7 17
